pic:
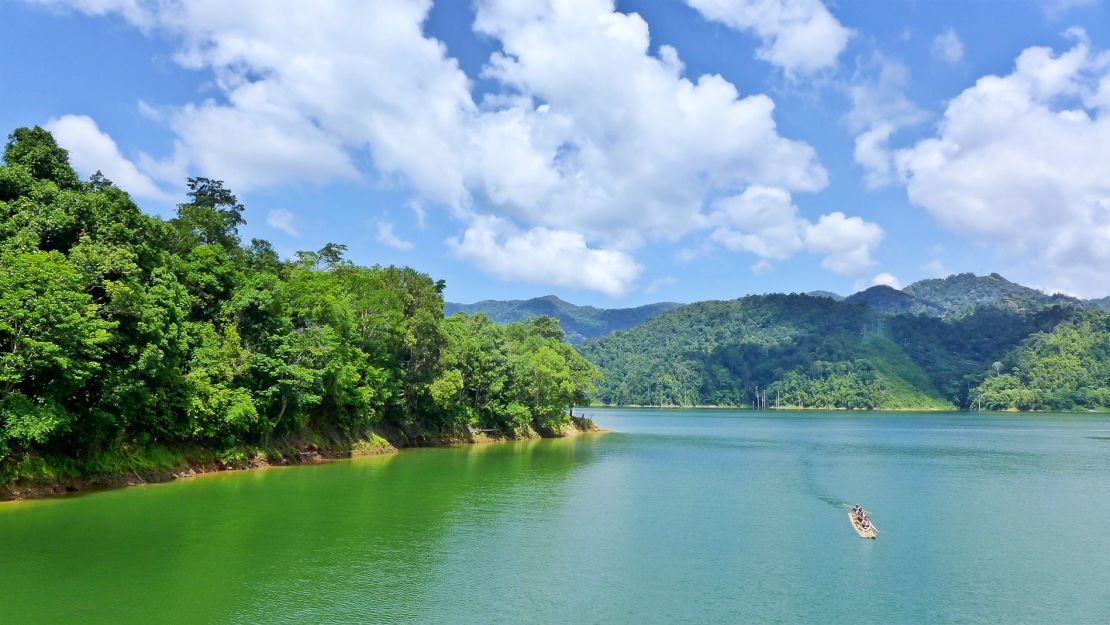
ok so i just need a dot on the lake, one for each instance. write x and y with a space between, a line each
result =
674 516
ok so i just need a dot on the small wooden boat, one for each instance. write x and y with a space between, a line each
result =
864 532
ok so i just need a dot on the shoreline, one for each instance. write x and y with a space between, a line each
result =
813 408
772 408
372 445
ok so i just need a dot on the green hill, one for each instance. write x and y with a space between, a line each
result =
961 293
791 349
1066 368
890 301
798 350
580 323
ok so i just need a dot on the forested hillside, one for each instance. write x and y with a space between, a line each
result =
792 349
580 322
1063 369
796 350
964 292
890 301
125 337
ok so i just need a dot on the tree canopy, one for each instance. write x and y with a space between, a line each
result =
119 330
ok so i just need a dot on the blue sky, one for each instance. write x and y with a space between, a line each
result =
612 154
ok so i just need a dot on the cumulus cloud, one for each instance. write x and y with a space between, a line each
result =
764 221
386 236
282 219
630 147
947 47
90 150
847 242
799 36
556 257
1017 163
581 130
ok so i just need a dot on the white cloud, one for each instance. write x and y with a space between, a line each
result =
250 149
555 257
90 150
301 88
386 236
947 47
800 36
630 147
581 131
1014 164
765 222
282 219
886 279
880 109
846 241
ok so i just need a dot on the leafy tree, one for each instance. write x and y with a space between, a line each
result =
35 150
120 331
51 342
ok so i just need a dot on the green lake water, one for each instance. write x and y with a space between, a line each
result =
672 517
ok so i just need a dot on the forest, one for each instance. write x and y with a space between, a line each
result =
127 340
581 323
1006 353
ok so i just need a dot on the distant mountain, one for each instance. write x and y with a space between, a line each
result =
890 301
798 350
964 292
581 323
836 297
791 349
1101 304
961 294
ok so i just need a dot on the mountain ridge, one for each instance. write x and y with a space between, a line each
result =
580 323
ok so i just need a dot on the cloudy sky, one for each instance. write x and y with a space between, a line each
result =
610 153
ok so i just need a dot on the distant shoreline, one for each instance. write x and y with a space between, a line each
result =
812 408
770 409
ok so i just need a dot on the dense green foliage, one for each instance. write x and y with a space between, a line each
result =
963 293
791 349
580 322
123 331
890 301
795 350
1064 369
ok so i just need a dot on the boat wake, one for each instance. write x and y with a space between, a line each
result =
813 488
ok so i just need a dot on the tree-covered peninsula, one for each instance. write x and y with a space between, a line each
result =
130 343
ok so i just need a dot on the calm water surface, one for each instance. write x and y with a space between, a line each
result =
673 517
